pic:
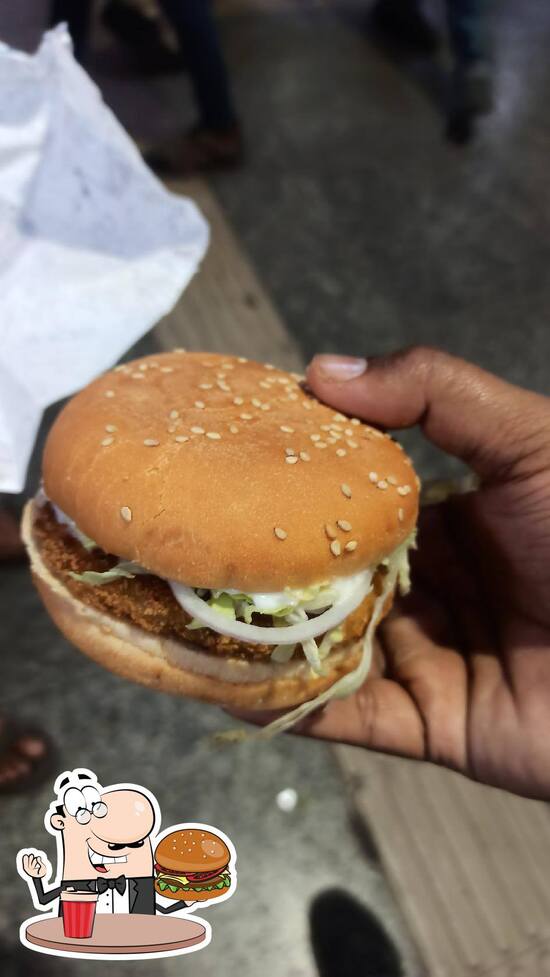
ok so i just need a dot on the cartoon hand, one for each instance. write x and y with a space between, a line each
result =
34 866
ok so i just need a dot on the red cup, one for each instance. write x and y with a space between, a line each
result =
78 910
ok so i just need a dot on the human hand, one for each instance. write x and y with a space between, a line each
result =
466 675
33 865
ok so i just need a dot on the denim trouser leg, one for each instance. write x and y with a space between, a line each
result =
196 29
468 29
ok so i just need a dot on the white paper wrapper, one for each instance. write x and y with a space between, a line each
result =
93 249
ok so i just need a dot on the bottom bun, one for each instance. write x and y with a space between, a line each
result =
191 896
176 666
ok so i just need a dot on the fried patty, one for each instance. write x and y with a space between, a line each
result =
147 601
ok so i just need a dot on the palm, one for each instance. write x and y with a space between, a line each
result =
466 676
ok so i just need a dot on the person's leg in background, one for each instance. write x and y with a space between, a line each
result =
472 90
216 139
77 15
402 25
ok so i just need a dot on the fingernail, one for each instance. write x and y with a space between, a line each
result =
339 368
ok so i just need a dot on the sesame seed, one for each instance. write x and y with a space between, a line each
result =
291 459
173 414
121 368
315 437
264 385
109 393
346 490
269 366
341 452
391 480
151 442
243 359
142 366
355 421
320 444
166 369
284 381
306 404
233 428
304 456
221 376
293 396
238 401
178 349
382 484
375 433
349 432
126 513
330 531
400 515
199 404
373 477
344 525
403 489
339 417
297 376
181 438
351 546
106 441
224 386
110 428
289 451
137 376
325 427
352 444
205 386
197 430
265 407
255 402
213 435
171 428
286 429
280 533
228 366
245 417
335 548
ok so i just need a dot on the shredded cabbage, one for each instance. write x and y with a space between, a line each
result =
96 578
353 680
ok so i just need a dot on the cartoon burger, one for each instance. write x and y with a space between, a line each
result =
193 865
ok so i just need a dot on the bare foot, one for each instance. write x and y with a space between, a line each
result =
25 756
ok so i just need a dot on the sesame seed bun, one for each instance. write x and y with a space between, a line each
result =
224 473
192 850
174 665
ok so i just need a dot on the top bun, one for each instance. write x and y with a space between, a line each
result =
224 473
192 850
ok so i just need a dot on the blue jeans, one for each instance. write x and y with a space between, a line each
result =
195 27
467 21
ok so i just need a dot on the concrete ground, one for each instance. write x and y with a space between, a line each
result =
369 231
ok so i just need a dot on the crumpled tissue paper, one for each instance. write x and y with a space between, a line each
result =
93 249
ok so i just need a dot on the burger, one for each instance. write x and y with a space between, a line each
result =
207 527
193 865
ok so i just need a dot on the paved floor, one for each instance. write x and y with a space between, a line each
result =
369 231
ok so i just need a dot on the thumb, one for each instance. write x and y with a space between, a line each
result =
500 430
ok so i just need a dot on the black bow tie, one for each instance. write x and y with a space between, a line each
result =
119 884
